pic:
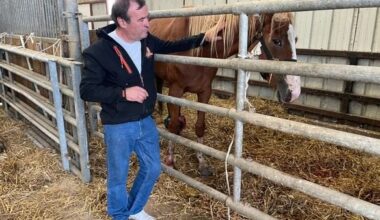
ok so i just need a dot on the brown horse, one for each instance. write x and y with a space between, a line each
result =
276 35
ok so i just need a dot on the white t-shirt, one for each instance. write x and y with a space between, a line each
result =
133 49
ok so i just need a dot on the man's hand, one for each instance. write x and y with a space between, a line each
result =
135 94
212 33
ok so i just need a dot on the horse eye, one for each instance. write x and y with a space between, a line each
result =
277 42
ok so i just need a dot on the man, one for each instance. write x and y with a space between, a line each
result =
118 73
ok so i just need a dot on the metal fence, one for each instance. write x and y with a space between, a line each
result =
49 99
362 74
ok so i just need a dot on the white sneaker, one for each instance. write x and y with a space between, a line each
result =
142 216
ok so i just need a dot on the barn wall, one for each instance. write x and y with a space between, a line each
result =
342 30
90 8
41 17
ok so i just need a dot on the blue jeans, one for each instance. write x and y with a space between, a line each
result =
142 138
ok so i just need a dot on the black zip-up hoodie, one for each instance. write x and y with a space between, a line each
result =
104 77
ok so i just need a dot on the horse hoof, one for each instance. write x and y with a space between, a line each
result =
205 171
169 163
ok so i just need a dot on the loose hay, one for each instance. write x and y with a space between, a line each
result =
348 171
33 185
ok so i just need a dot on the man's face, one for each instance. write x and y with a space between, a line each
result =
138 26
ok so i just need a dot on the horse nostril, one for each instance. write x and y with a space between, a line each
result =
288 96
286 99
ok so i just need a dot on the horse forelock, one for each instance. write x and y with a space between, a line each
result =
282 19
200 24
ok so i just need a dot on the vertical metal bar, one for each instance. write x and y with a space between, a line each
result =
10 75
84 33
85 42
243 44
6 107
2 89
51 99
71 11
57 96
81 124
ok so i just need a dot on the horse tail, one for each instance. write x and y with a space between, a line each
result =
159 86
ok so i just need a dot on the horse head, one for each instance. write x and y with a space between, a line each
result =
275 37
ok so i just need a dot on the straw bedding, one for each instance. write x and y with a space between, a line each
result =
33 185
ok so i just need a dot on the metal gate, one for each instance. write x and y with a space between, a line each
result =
344 139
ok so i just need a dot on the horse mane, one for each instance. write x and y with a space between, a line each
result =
198 24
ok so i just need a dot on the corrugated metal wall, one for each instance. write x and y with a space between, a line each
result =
342 30
41 17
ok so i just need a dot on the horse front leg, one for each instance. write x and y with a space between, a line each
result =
200 127
175 124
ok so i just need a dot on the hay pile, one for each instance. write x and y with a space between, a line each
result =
33 185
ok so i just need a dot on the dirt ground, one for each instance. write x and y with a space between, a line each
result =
34 186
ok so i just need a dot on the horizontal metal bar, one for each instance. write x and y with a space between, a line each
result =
349 140
39 101
35 119
35 78
96 108
306 90
34 37
350 203
38 55
368 74
253 7
245 210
